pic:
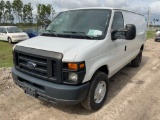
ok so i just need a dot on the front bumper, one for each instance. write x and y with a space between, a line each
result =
52 92
19 39
157 37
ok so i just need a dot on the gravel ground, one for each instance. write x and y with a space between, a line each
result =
134 95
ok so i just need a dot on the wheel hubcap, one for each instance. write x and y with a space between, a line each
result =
100 92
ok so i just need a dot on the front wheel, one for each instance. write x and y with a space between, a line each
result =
10 40
137 61
97 93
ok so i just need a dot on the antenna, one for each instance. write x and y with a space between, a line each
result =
149 14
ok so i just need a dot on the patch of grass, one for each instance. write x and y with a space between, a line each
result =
6 58
151 34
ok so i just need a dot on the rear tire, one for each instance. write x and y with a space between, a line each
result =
10 40
137 61
97 93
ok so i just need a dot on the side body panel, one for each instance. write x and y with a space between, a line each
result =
133 46
115 54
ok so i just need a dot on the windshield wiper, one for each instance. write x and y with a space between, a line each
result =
53 32
74 32
88 37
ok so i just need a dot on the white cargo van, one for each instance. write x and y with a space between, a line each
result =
81 49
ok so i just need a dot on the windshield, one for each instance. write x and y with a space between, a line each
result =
91 23
14 30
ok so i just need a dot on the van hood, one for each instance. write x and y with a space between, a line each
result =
69 47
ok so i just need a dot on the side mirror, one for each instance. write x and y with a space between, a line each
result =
118 34
129 33
46 26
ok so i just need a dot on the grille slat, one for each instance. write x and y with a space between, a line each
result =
32 72
40 63
36 69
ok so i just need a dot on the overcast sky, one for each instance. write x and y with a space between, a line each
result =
135 5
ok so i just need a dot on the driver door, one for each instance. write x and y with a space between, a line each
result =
118 46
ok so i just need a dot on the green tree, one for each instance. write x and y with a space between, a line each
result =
18 8
27 13
2 9
0 16
30 14
44 14
8 12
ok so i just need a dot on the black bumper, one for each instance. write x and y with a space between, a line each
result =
52 92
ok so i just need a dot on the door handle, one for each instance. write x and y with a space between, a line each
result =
125 48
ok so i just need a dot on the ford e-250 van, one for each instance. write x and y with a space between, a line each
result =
81 49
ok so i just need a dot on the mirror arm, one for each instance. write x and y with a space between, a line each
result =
122 30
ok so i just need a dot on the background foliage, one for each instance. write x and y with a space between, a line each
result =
18 12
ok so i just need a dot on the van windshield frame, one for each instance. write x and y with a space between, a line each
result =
81 24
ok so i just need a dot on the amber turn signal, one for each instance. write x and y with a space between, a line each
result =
75 66
81 66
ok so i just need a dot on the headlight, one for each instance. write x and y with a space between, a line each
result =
73 73
73 77
14 36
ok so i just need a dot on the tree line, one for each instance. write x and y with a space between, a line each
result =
23 13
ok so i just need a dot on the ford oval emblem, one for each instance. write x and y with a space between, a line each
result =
31 65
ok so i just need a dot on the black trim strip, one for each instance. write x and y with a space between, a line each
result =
48 54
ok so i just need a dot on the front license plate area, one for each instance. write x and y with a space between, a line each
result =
30 91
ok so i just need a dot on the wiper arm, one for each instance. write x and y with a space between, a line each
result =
53 32
88 37
73 32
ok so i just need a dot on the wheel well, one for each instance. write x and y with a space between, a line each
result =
142 47
104 69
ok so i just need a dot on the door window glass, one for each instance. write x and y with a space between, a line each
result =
4 30
118 21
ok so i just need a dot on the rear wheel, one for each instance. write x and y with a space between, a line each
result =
97 93
137 61
10 40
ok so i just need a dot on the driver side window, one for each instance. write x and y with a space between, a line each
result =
4 30
118 21
1 30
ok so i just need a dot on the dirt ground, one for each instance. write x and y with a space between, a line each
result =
134 95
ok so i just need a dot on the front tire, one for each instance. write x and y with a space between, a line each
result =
97 93
137 61
155 40
10 40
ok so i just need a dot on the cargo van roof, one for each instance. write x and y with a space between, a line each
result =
104 8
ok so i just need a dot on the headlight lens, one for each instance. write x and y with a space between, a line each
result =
14 36
73 77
